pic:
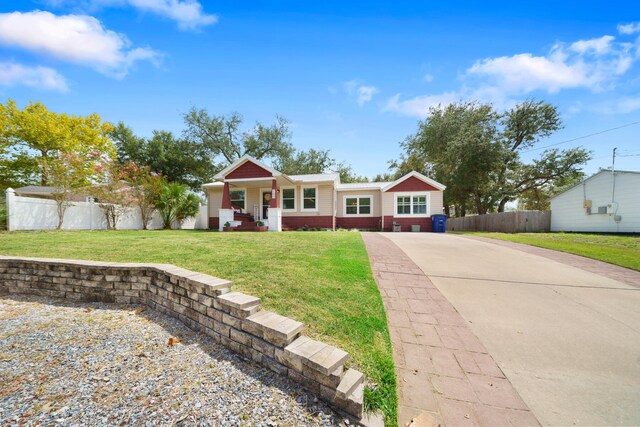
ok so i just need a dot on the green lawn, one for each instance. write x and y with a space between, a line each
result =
622 250
320 278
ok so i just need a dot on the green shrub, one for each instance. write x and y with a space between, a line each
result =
3 213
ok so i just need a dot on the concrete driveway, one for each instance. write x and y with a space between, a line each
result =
567 339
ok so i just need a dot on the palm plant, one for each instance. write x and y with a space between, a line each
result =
176 204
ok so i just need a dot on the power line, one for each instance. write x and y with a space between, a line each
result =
582 137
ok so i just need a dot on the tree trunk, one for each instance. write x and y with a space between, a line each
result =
44 179
502 204
61 210
480 208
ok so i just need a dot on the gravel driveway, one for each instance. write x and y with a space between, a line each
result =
107 364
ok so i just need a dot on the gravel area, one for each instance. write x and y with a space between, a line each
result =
106 364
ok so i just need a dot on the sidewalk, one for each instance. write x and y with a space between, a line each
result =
444 373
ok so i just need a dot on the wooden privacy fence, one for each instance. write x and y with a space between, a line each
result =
503 222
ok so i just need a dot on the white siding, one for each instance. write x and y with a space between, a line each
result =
435 203
568 212
375 200
324 202
214 200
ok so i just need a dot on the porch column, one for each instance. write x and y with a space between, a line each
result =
226 197
275 213
225 213
274 195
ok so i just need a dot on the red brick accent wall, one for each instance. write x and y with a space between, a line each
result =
296 222
412 184
249 170
214 222
369 222
406 223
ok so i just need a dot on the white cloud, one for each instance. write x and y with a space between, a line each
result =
631 28
365 94
594 64
188 14
599 46
78 39
361 93
12 74
419 106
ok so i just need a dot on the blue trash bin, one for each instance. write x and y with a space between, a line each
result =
438 223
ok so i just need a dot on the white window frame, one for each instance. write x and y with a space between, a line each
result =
411 195
302 208
357 196
245 209
295 204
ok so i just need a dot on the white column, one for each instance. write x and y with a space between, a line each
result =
10 208
275 219
225 215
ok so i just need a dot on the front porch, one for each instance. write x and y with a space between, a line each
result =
250 205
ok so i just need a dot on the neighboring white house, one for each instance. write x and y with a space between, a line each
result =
604 202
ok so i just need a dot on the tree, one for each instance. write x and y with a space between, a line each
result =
475 151
221 137
67 175
112 192
300 162
145 189
176 204
33 137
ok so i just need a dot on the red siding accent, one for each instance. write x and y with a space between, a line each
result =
249 170
412 184
214 222
226 197
406 223
296 222
369 222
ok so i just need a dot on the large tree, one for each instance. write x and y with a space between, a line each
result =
33 137
223 139
210 143
476 152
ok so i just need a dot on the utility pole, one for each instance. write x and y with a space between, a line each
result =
613 176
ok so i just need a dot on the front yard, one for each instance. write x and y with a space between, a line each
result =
320 278
622 250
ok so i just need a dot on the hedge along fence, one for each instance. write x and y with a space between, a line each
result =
503 222
204 303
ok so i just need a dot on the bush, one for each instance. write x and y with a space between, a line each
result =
3 214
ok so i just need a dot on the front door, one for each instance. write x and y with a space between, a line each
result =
266 201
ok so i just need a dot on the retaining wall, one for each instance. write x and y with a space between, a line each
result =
204 303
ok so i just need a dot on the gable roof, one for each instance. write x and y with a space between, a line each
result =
607 171
417 175
241 161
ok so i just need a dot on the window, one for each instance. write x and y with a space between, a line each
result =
404 205
309 201
412 204
289 199
357 205
237 198
419 205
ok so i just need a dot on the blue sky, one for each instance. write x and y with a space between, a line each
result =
351 76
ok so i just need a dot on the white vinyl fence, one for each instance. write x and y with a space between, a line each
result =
30 213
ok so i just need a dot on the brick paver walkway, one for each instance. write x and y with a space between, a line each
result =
615 272
445 374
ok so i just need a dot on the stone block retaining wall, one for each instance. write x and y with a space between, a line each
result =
205 304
